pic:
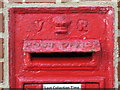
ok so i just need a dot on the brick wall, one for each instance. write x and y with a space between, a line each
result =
1 43
119 42
3 34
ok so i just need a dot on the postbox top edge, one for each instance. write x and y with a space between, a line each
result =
81 9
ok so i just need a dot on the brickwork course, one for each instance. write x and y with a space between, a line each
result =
4 75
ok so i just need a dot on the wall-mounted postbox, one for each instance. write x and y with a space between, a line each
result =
61 47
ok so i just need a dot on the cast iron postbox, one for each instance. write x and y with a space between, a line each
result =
61 47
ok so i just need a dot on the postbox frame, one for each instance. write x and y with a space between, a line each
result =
11 39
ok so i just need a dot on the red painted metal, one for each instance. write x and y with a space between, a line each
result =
33 87
61 45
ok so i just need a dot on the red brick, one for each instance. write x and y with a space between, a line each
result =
119 87
119 45
40 1
118 3
1 48
1 4
118 71
1 72
15 1
118 19
1 23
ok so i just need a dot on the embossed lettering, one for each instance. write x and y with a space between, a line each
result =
65 45
57 46
47 45
39 24
82 25
88 44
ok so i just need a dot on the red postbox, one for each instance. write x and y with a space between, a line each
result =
61 47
